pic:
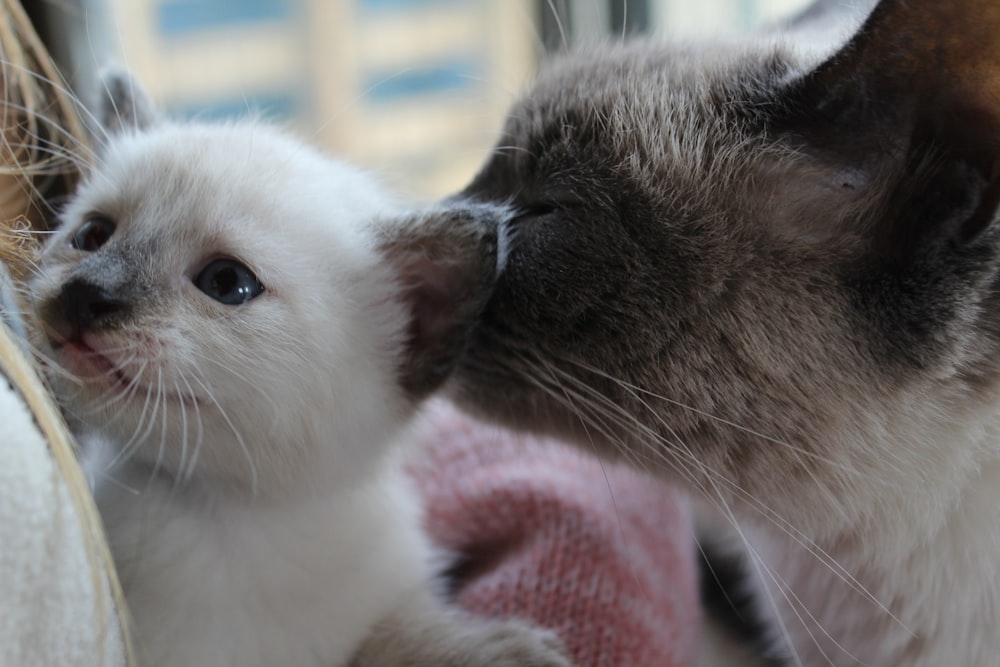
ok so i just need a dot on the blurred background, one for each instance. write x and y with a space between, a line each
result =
415 90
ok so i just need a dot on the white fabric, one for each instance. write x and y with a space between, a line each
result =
50 611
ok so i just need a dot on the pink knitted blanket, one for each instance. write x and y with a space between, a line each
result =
601 554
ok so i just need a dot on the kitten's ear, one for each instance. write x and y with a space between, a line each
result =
914 96
123 104
447 262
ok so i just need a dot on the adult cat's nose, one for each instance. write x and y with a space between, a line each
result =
86 306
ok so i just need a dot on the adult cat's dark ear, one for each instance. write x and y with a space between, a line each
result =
913 102
123 104
446 260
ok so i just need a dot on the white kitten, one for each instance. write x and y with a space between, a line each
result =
250 342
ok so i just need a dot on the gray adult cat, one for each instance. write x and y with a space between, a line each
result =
773 274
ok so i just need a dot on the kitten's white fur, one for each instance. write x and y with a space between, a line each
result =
259 516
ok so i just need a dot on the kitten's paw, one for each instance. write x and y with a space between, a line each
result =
515 644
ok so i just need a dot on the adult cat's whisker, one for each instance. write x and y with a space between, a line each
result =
716 499
759 566
585 412
795 603
592 400
773 517
655 414
635 390
631 422
594 421
799 538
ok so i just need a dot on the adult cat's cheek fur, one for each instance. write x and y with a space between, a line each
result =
771 273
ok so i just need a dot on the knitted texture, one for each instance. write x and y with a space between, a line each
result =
600 553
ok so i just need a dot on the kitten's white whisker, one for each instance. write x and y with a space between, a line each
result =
62 133
229 370
232 427
162 399
119 393
182 459
63 92
137 435
185 475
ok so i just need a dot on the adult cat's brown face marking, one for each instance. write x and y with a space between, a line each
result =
731 259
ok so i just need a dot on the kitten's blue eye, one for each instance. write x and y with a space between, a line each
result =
92 234
229 282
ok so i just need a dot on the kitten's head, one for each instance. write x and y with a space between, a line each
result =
773 273
227 303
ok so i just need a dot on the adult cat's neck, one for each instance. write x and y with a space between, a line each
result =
935 606
914 583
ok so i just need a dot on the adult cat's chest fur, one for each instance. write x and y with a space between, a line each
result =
774 275
916 582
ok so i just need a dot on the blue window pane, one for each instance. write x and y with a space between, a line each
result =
178 17
446 78
394 4
278 106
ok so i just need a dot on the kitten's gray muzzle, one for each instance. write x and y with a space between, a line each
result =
98 295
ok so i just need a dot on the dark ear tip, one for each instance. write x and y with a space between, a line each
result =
122 102
115 81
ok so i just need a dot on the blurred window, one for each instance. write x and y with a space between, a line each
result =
414 89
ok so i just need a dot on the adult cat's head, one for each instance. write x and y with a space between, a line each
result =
227 303
770 273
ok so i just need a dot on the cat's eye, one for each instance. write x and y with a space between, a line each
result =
228 282
93 234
